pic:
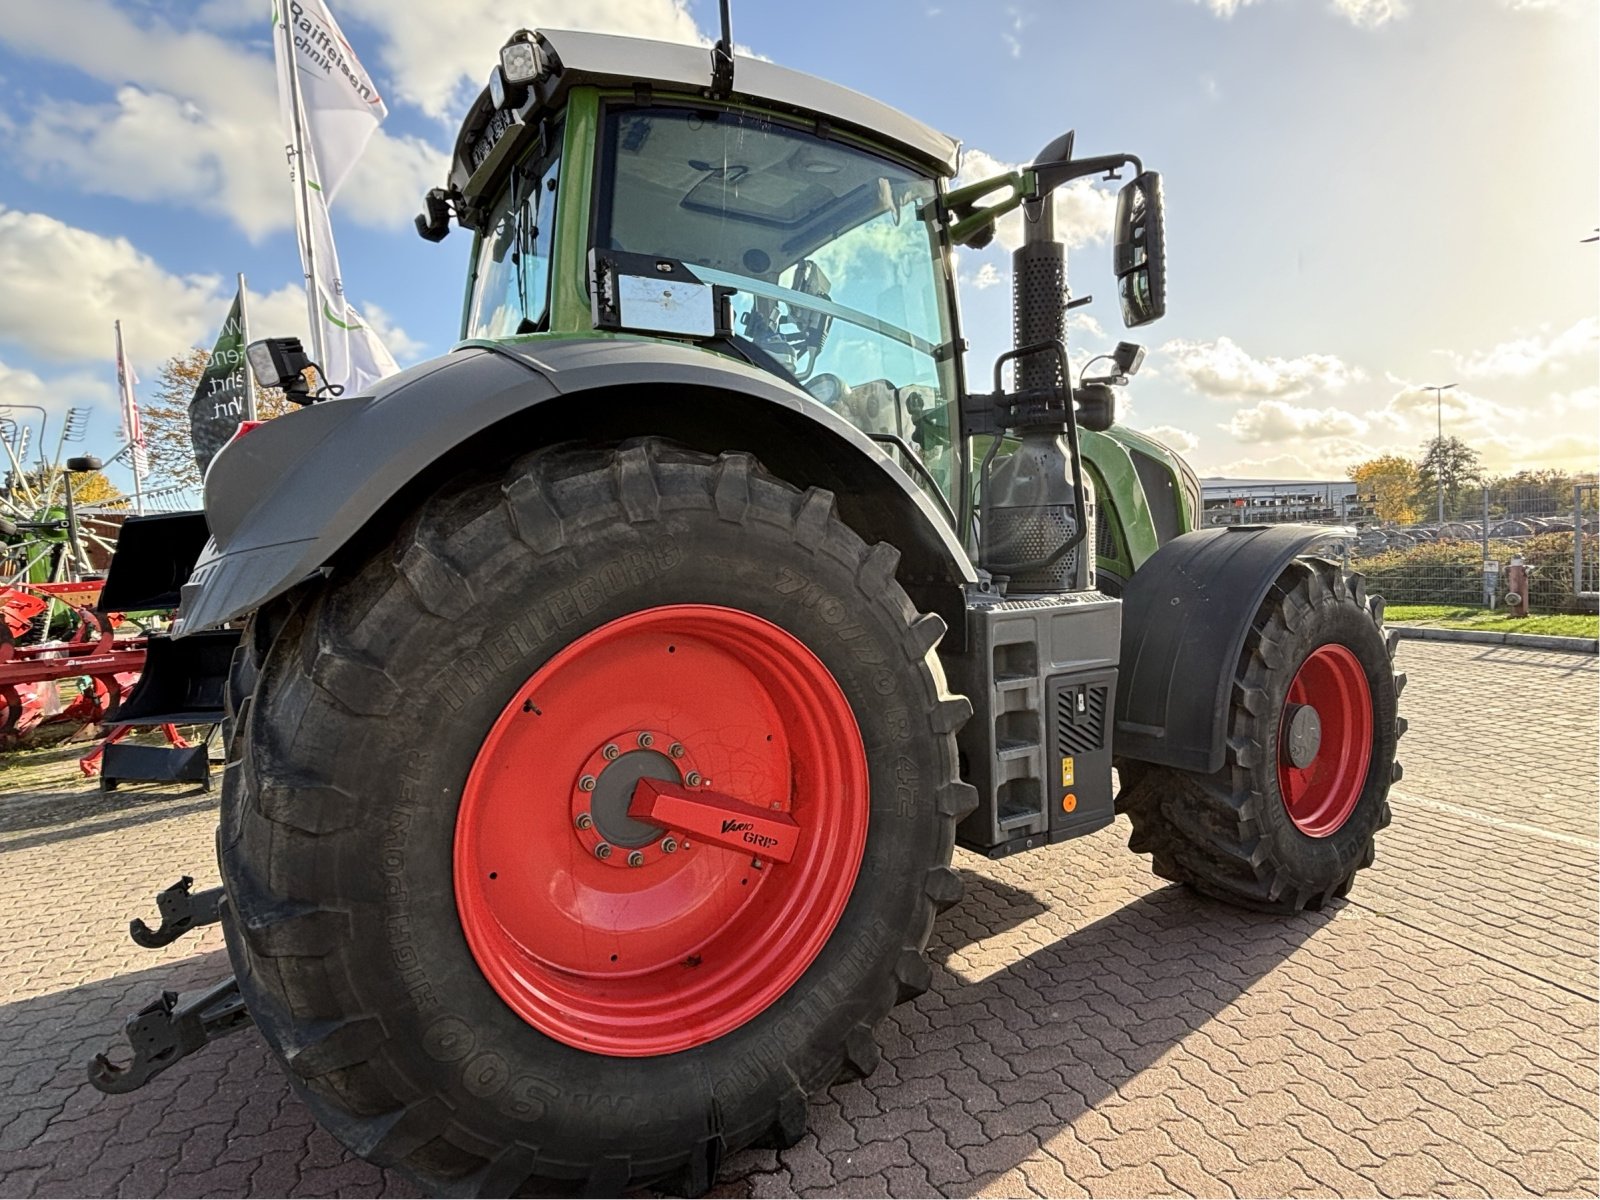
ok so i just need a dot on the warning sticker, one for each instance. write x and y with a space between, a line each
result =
1066 772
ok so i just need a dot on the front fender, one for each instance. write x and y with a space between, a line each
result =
286 498
1185 615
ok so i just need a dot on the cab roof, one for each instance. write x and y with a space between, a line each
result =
607 60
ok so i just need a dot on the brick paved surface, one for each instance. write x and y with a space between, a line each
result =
1090 1031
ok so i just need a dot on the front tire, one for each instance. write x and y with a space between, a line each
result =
507 1055
1291 817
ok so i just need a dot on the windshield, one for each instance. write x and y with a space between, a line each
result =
839 276
511 276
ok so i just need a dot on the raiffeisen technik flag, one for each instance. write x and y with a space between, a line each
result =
339 106
221 399
330 111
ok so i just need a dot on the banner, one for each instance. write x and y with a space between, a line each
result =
340 108
330 111
222 398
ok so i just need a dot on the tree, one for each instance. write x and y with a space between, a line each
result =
166 417
1450 461
1391 482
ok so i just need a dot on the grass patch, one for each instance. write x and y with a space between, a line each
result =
1579 625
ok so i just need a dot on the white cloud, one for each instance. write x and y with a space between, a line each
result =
438 55
1277 421
1369 14
65 286
1566 432
1223 368
1084 212
1364 14
1180 440
20 388
402 345
194 121
987 277
1530 355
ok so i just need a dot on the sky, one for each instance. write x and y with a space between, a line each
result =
1364 197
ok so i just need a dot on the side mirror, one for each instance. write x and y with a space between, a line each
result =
1139 255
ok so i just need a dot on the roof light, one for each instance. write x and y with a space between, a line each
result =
521 61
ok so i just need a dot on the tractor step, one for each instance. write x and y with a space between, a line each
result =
184 681
181 910
172 1026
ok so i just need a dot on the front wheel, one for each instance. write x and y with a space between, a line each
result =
1312 730
582 833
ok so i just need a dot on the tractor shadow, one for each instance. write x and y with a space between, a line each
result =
1008 1036
1026 1035
222 1122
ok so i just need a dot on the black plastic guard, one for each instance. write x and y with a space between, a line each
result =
183 682
1185 614
154 556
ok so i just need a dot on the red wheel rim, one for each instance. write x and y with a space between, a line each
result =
1321 794
695 940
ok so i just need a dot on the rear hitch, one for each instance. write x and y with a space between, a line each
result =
171 1027
181 911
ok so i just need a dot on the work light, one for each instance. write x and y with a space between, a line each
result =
278 363
521 61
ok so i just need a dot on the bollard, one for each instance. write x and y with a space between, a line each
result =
1517 587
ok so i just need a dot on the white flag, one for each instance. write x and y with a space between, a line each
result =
132 429
340 108
330 111
354 357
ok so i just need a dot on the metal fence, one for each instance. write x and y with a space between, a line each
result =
1585 561
1464 561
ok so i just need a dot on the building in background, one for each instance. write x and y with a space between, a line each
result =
1270 501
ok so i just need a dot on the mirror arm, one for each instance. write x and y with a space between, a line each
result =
973 224
1049 176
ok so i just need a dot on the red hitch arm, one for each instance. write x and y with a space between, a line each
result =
715 818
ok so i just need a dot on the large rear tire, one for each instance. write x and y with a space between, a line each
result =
1292 815
422 923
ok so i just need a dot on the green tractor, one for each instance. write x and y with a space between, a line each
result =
611 693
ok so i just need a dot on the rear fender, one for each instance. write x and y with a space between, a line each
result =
1185 615
286 499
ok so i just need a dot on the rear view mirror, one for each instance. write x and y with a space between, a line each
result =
1139 256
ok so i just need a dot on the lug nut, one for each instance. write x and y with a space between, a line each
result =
647 739
636 859
584 821
610 751
676 750
694 779
669 846
603 850
587 783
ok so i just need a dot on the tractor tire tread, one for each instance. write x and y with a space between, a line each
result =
1209 832
324 666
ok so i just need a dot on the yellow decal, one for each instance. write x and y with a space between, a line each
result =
1066 772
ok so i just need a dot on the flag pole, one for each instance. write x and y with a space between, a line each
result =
303 179
130 418
244 336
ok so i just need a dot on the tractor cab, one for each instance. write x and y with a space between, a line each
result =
803 233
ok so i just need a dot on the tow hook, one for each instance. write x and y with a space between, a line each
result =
181 911
169 1028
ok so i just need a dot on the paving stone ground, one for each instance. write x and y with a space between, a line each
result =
1090 1031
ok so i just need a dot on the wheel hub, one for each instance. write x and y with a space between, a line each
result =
1305 735
604 790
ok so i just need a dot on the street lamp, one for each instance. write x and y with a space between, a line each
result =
1438 444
